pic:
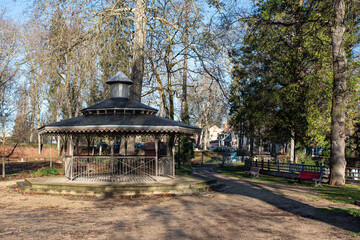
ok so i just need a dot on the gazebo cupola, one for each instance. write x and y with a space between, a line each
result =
119 85
117 119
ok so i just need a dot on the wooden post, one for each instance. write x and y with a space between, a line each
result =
100 147
112 158
50 151
173 158
88 143
39 143
290 167
71 146
71 153
202 158
156 156
125 146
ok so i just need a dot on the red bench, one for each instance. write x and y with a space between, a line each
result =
313 176
254 171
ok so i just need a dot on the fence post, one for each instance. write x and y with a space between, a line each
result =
289 166
302 166
242 159
321 168
278 166
268 165
262 163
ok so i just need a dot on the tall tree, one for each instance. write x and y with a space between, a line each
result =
338 160
9 50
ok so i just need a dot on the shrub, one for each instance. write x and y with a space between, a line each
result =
46 171
303 157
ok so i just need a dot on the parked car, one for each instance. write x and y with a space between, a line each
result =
103 144
138 145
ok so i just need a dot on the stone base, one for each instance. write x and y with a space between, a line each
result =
60 185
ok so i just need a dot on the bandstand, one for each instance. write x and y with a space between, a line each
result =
117 118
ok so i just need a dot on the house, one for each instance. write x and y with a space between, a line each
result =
214 132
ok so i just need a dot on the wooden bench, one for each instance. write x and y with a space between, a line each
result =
254 171
312 176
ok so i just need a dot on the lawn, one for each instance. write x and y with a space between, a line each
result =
341 194
20 170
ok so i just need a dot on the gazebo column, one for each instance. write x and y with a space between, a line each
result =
71 146
157 156
125 146
173 159
100 147
112 158
39 142
70 159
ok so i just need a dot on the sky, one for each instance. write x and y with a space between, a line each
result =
15 9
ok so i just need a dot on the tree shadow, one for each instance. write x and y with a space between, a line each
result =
181 218
271 194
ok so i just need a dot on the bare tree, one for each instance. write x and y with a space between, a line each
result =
8 69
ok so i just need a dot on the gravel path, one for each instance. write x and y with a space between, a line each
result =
242 209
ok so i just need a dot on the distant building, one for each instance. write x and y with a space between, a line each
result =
214 132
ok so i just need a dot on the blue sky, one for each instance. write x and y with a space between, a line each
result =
15 9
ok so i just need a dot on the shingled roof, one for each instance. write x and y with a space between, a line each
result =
119 104
119 115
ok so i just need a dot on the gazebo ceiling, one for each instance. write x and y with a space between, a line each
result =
118 114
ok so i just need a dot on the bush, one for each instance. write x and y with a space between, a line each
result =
46 171
303 157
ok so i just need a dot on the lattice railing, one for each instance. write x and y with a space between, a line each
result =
166 166
111 169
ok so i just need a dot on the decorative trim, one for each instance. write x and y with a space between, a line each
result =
123 129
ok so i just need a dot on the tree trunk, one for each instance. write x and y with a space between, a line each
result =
206 138
137 73
251 145
292 149
338 161
3 144
184 105
3 153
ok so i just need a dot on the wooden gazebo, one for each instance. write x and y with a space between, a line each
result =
118 117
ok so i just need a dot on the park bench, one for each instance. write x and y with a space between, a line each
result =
254 171
312 176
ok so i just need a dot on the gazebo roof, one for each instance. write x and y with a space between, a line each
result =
118 123
118 115
119 77
125 104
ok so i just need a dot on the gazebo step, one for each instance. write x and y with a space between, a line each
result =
176 186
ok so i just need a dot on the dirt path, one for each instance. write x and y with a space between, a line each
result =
242 210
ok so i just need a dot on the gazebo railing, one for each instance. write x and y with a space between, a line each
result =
166 166
117 168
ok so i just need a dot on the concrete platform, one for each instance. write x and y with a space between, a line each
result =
60 185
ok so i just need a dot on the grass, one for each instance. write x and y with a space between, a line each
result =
184 169
20 170
238 171
355 212
340 194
